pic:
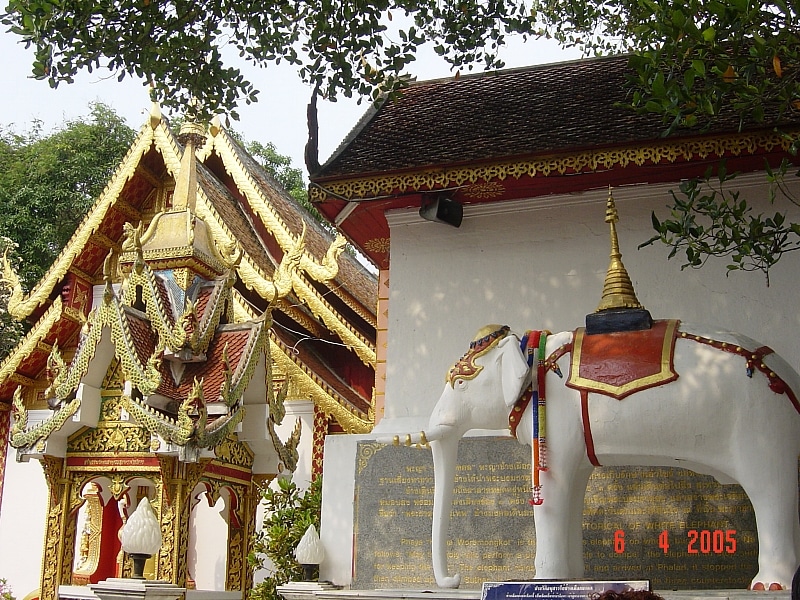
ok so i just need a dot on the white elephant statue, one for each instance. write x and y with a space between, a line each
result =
724 406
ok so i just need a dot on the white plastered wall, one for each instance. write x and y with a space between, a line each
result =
23 516
540 264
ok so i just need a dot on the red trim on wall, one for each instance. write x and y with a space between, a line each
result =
5 427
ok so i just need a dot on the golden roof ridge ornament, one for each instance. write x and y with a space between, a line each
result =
155 115
618 290
192 136
619 309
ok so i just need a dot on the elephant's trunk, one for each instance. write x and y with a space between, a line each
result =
445 453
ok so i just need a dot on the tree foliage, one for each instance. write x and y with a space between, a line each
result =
694 63
289 512
709 219
49 181
692 60
183 47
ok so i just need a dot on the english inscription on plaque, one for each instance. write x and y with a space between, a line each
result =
676 528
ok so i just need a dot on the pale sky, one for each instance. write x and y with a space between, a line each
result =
278 117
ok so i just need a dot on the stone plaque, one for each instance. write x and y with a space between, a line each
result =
678 529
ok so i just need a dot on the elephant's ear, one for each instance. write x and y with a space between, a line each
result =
514 369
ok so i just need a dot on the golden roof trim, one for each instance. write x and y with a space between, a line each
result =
334 321
291 307
209 265
273 222
252 276
555 164
24 438
326 270
173 335
110 314
24 306
30 342
318 392
255 279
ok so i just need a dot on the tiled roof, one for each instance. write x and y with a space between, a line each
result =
234 217
142 335
211 371
537 110
352 275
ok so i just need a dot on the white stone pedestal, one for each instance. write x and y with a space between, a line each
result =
305 590
123 589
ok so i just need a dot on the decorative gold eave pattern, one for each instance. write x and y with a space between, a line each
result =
109 314
310 386
321 272
307 382
324 271
30 342
27 438
88 227
173 336
556 164
141 275
254 278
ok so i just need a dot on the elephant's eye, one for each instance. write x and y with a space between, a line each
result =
460 384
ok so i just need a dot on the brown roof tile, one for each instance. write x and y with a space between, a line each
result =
359 282
212 370
519 112
143 337
235 218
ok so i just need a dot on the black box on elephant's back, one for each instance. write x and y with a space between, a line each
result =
671 526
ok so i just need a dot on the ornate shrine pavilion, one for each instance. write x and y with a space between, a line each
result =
194 305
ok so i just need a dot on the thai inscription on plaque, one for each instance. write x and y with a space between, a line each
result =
678 529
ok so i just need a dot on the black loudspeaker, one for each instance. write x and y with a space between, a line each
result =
442 210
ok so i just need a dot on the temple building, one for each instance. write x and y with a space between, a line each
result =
199 335
481 199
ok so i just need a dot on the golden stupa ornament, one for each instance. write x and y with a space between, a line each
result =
617 289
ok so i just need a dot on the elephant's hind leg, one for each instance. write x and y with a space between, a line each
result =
774 497
577 501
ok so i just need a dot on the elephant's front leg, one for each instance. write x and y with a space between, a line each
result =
559 536
559 519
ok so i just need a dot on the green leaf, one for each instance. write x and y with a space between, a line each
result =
699 66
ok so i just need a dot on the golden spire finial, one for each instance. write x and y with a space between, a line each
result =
617 289
191 135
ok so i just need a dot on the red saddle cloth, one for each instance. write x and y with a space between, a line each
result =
619 364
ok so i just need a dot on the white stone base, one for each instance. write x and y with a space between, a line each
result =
118 588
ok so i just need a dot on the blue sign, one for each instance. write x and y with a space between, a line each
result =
556 590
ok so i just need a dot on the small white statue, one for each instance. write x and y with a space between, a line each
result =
309 551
